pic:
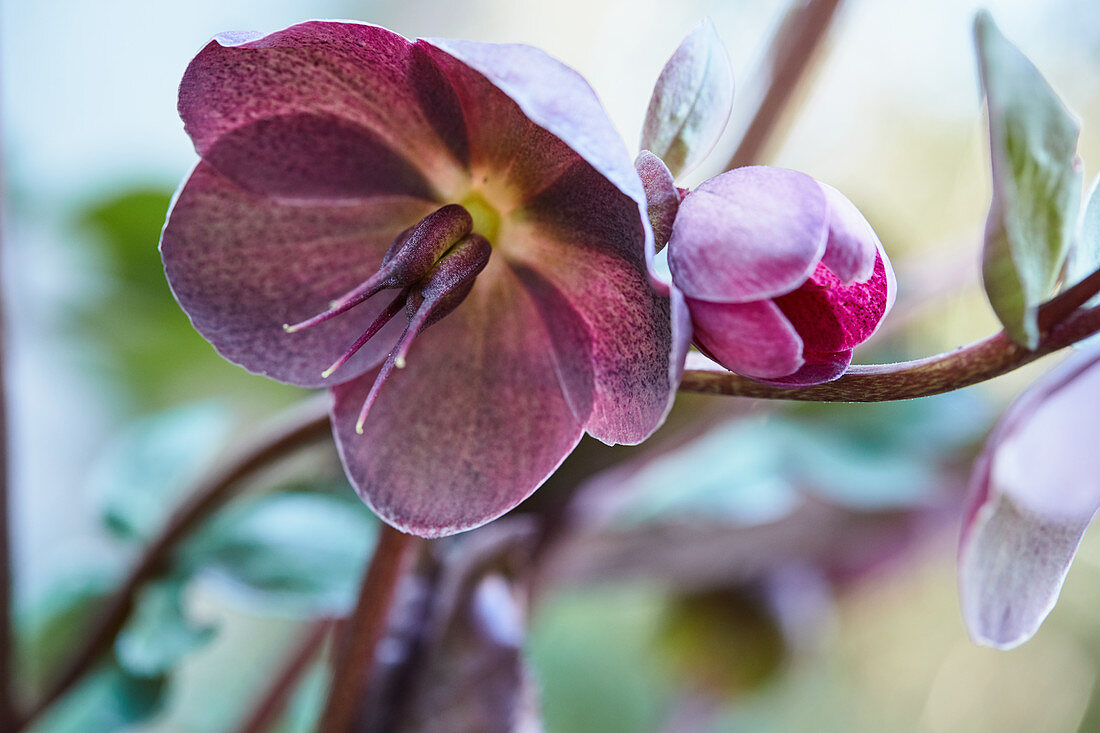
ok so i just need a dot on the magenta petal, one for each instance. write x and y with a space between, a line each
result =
818 369
753 339
832 317
850 252
386 94
748 234
242 265
473 424
1035 492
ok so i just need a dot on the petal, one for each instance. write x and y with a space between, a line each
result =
749 234
1035 492
371 84
471 427
753 339
661 194
832 317
242 265
818 369
850 251
581 239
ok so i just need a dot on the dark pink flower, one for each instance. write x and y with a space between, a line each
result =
484 187
782 274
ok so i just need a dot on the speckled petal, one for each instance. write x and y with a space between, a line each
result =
833 317
471 426
582 237
1035 492
753 339
850 251
748 234
662 196
242 265
317 87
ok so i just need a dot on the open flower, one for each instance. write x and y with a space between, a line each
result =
484 189
782 274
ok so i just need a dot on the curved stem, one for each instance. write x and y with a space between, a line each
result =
305 424
789 55
366 627
953 370
266 710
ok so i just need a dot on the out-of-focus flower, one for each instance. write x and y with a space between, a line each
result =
782 274
485 186
1035 490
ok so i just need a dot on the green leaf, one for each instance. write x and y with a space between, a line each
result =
158 634
1085 258
289 553
108 700
691 101
142 476
1036 183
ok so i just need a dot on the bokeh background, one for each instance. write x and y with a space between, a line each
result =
114 401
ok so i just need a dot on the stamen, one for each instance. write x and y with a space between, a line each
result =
441 291
383 318
405 263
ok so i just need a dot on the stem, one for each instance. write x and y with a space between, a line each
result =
305 424
274 699
366 627
967 365
8 713
790 52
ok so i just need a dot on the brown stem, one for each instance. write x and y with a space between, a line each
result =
8 713
274 698
789 55
355 656
953 370
306 424
1060 308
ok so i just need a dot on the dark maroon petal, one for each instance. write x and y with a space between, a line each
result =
850 251
583 237
471 426
1035 491
662 196
818 369
753 339
350 86
242 265
833 317
555 98
752 233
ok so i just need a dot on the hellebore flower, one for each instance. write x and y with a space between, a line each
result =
782 274
1034 492
484 187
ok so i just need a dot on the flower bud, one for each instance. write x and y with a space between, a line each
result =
782 274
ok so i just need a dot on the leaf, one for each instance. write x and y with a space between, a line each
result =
108 700
1035 491
1036 183
158 634
691 101
290 553
1085 258
144 473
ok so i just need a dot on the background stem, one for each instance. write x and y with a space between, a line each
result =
305 424
789 54
355 649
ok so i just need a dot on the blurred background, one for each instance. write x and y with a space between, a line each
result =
757 568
